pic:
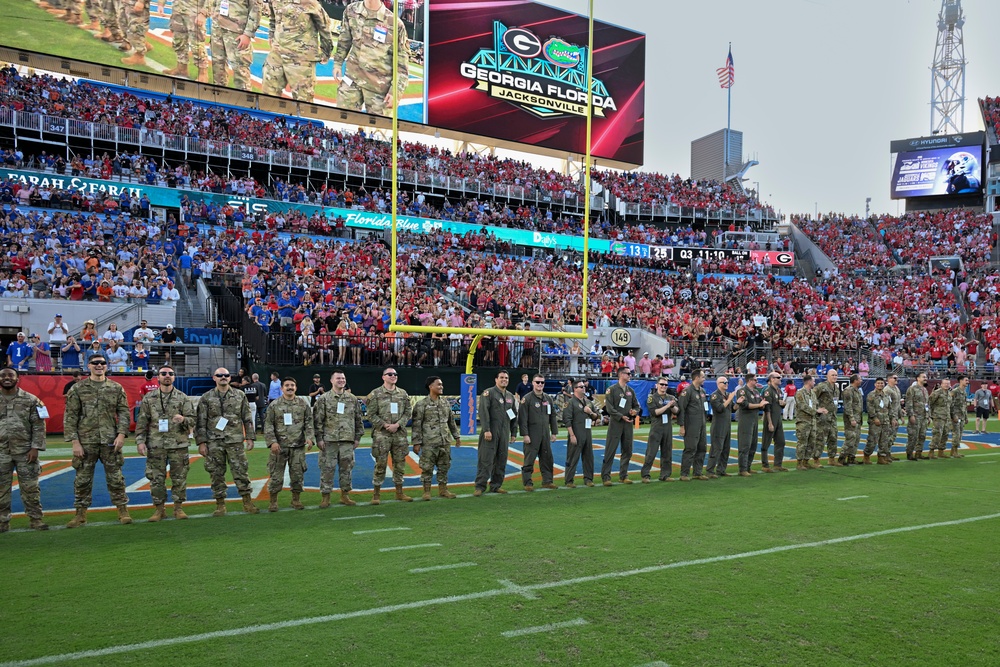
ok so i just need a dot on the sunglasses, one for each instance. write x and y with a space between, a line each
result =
539 382
166 373
580 386
663 385
98 363
222 375
392 375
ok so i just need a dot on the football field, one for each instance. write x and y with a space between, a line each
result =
864 565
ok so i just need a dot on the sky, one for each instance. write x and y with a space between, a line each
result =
822 87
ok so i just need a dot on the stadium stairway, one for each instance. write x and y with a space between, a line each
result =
190 309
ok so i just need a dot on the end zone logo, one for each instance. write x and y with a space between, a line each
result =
547 79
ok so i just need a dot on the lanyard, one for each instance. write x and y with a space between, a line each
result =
222 405
163 408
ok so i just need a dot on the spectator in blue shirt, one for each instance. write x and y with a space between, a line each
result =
140 357
71 353
19 353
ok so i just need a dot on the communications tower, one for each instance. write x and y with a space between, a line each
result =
948 71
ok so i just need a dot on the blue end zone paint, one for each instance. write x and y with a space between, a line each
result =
57 488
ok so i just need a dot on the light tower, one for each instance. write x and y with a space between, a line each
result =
948 71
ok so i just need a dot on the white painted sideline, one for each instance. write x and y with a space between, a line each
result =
482 595
453 566
411 546
658 663
852 498
380 530
360 516
544 628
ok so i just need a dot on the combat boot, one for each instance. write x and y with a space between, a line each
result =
38 524
325 500
836 462
852 461
296 503
202 75
882 461
123 516
377 496
181 69
444 492
932 452
158 514
920 455
816 463
427 492
955 454
800 464
220 507
248 506
842 459
403 497
867 460
273 505
179 513
134 59
345 499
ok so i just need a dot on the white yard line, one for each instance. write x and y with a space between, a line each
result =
363 516
544 628
852 498
451 599
437 568
380 530
406 548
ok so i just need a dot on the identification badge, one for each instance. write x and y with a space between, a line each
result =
511 414
340 408
221 424
224 8
622 403
665 417
588 423
348 81
381 32
706 406
548 409
288 418
164 425
881 404
43 412
394 408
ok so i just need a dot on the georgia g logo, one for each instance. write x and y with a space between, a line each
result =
522 42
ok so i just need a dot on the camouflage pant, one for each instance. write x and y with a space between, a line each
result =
826 438
93 8
215 465
939 436
294 458
225 52
112 461
956 433
114 19
138 26
189 38
382 446
281 71
336 453
431 457
803 440
352 96
73 9
916 433
157 461
880 438
852 438
27 482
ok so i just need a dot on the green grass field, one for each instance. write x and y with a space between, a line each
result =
827 567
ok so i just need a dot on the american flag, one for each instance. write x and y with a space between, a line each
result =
727 74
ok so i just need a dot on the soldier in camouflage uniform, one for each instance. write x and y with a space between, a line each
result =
959 415
165 419
895 409
288 431
223 428
22 436
578 418
114 19
434 431
300 38
917 409
661 407
879 433
388 410
827 395
234 24
364 51
96 421
137 14
187 23
498 424
853 414
538 422
940 405
805 423
338 426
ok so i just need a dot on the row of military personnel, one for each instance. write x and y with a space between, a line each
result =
96 422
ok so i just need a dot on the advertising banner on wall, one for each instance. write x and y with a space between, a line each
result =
517 71
936 172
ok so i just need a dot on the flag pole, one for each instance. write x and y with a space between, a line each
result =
729 120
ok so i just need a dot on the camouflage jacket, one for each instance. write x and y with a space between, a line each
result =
805 406
827 394
157 405
96 412
853 406
232 406
959 405
380 405
878 407
940 402
288 422
365 46
337 418
917 401
21 427
300 31
433 423
242 16
895 399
